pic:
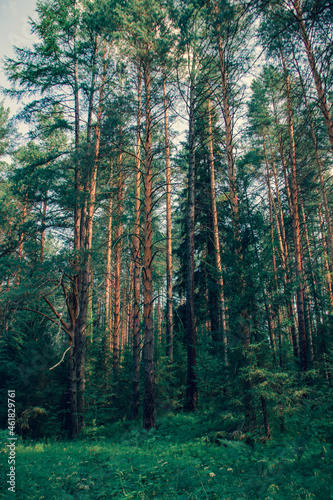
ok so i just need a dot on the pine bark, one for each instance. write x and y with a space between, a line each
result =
108 285
148 343
169 313
316 76
117 271
296 227
137 264
222 320
191 389
86 279
42 236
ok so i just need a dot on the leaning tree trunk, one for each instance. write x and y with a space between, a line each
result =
320 169
316 77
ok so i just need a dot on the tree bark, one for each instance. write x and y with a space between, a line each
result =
316 77
296 227
271 230
148 343
42 236
222 320
108 286
117 272
191 389
137 265
86 280
169 313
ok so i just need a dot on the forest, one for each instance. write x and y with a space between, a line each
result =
166 251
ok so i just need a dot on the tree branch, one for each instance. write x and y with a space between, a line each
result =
63 356
58 316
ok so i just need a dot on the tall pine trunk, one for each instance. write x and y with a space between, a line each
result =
169 314
137 265
191 389
148 342
117 271
86 277
108 285
219 279
316 76
296 227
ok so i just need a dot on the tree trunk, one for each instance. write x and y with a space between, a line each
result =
108 286
296 228
191 389
148 343
328 276
137 266
73 302
86 280
271 230
316 77
222 321
311 271
20 246
320 169
241 282
169 314
42 236
117 272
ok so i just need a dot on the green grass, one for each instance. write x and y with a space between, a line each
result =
179 460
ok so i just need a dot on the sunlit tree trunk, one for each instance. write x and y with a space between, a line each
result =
108 286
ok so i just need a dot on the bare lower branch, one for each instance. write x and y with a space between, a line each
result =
63 356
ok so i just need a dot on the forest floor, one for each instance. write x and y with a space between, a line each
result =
174 461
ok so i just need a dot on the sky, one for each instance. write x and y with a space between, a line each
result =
14 30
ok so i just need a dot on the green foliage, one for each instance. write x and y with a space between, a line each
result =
175 461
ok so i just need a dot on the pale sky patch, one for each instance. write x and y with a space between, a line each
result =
14 30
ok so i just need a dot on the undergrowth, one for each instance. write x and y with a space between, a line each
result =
185 458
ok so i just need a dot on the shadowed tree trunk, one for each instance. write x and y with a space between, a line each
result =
148 342
86 278
316 77
117 265
296 227
169 314
222 320
42 236
191 389
137 266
